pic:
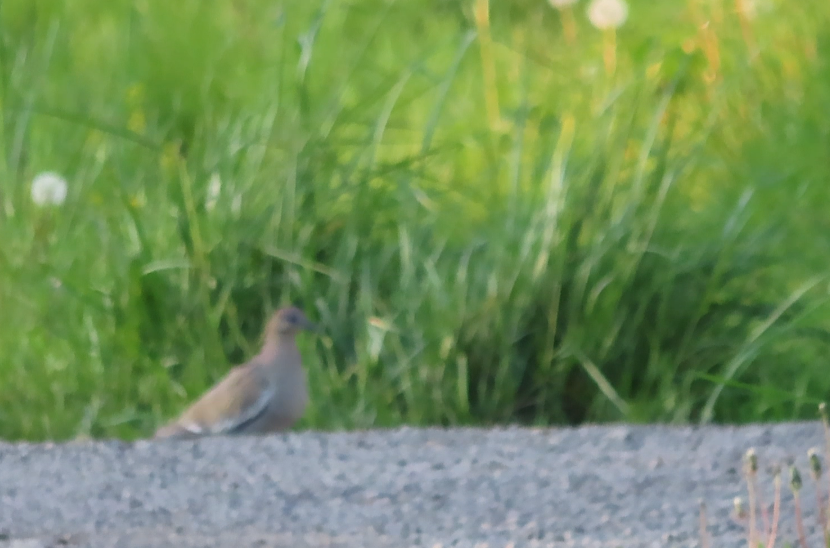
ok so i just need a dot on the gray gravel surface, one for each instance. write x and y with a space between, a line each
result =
591 486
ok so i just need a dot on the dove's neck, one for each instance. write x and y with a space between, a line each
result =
281 346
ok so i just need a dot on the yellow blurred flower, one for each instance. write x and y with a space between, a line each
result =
135 95
137 123
138 201
134 99
170 157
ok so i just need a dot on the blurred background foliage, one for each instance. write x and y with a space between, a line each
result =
497 213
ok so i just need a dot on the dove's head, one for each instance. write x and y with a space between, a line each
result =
287 321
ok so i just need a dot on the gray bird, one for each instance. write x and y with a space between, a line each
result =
269 393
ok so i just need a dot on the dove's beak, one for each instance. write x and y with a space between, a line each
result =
308 325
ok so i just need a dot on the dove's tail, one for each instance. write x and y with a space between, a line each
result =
174 430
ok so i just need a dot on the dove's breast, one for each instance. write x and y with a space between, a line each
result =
289 400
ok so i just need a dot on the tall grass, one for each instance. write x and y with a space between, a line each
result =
488 231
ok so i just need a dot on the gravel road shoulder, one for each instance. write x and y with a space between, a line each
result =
594 486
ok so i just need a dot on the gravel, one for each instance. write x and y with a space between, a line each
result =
594 486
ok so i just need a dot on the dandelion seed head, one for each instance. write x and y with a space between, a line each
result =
49 188
751 9
559 4
607 14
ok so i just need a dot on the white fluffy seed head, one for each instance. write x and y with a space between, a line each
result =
559 4
607 14
49 188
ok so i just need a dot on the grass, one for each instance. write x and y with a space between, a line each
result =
491 223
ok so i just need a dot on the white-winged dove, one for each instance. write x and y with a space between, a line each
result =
267 394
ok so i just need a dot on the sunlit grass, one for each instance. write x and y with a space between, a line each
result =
488 232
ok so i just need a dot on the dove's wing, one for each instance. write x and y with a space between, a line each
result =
239 399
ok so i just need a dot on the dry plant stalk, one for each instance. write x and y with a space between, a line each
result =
481 10
751 470
704 535
770 527
776 508
744 9
825 527
795 487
